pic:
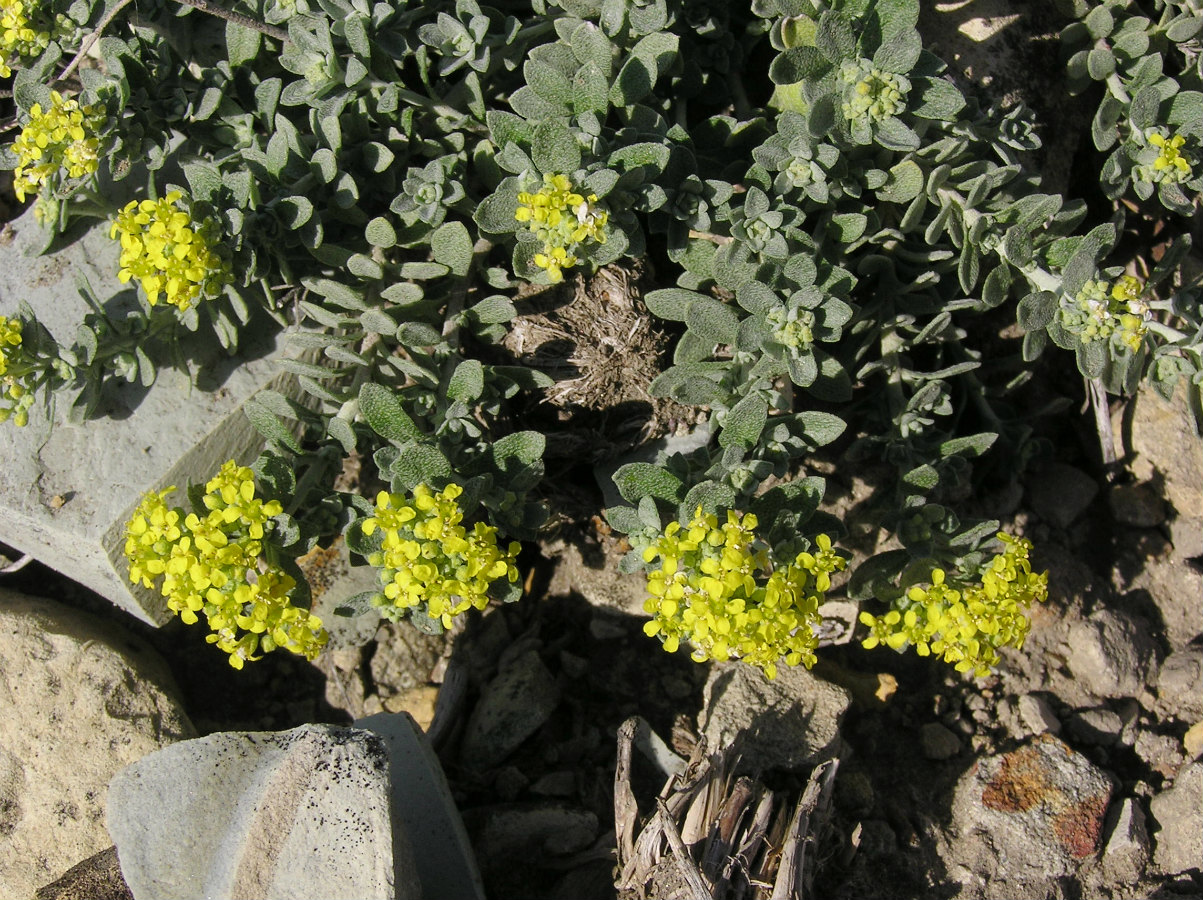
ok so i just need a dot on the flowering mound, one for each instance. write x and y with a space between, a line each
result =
170 253
213 564
428 559
966 625
562 220
717 589
61 137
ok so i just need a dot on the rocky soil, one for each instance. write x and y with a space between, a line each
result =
1074 771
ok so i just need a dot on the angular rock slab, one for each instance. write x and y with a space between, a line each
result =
1178 813
66 492
1033 814
789 722
295 814
422 802
78 701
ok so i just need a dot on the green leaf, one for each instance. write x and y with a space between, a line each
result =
294 212
549 83
924 478
336 292
204 179
495 214
527 447
893 134
670 303
403 293
634 82
1092 358
467 382
268 424
711 496
847 227
555 150
904 184
638 480
590 90
1100 63
495 309
745 422
899 52
418 463
383 411
632 156
1036 310
451 245
935 98
624 519
820 428
712 320
1186 112
380 233
798 64
970 445
242 44
757 298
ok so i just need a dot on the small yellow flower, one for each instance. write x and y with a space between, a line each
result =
1170 162
965 626
20 35
213 565
429 561
61 139
716 587
563 220
170 253
873 94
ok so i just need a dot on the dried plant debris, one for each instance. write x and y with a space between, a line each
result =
715 833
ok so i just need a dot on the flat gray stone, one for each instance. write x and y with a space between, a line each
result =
423 804
788 722
513 706
1111 654
1037 716
1165 448
1029 815
67 492
295 814
1179 816
79 700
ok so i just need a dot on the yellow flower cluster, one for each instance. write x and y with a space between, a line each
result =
429 558
18 36
1171 163
716 588
874 94
966 626
168 252
61 138
562 220
212 564
1106 310
15 396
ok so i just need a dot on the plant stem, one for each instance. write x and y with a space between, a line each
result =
213 9
92 39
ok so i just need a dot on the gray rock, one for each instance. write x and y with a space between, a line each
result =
1179 816
1059 493
1111 654
788 722
79 699
938 742
299 814
1029 815
1165 448
1136 504
522 831
67 492
513 706
1126 851
423 804
1099 726
1160 752
1180 685
1037 716
1175 586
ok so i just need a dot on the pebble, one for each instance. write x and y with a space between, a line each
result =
1112 654
938 742
1160 752
1037 716
1180 684
1179 816
1059 493
1126 851
513 706
1099 726
1193 741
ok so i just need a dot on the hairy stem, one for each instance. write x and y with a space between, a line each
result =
213 9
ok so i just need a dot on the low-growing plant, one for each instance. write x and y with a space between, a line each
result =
379 180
